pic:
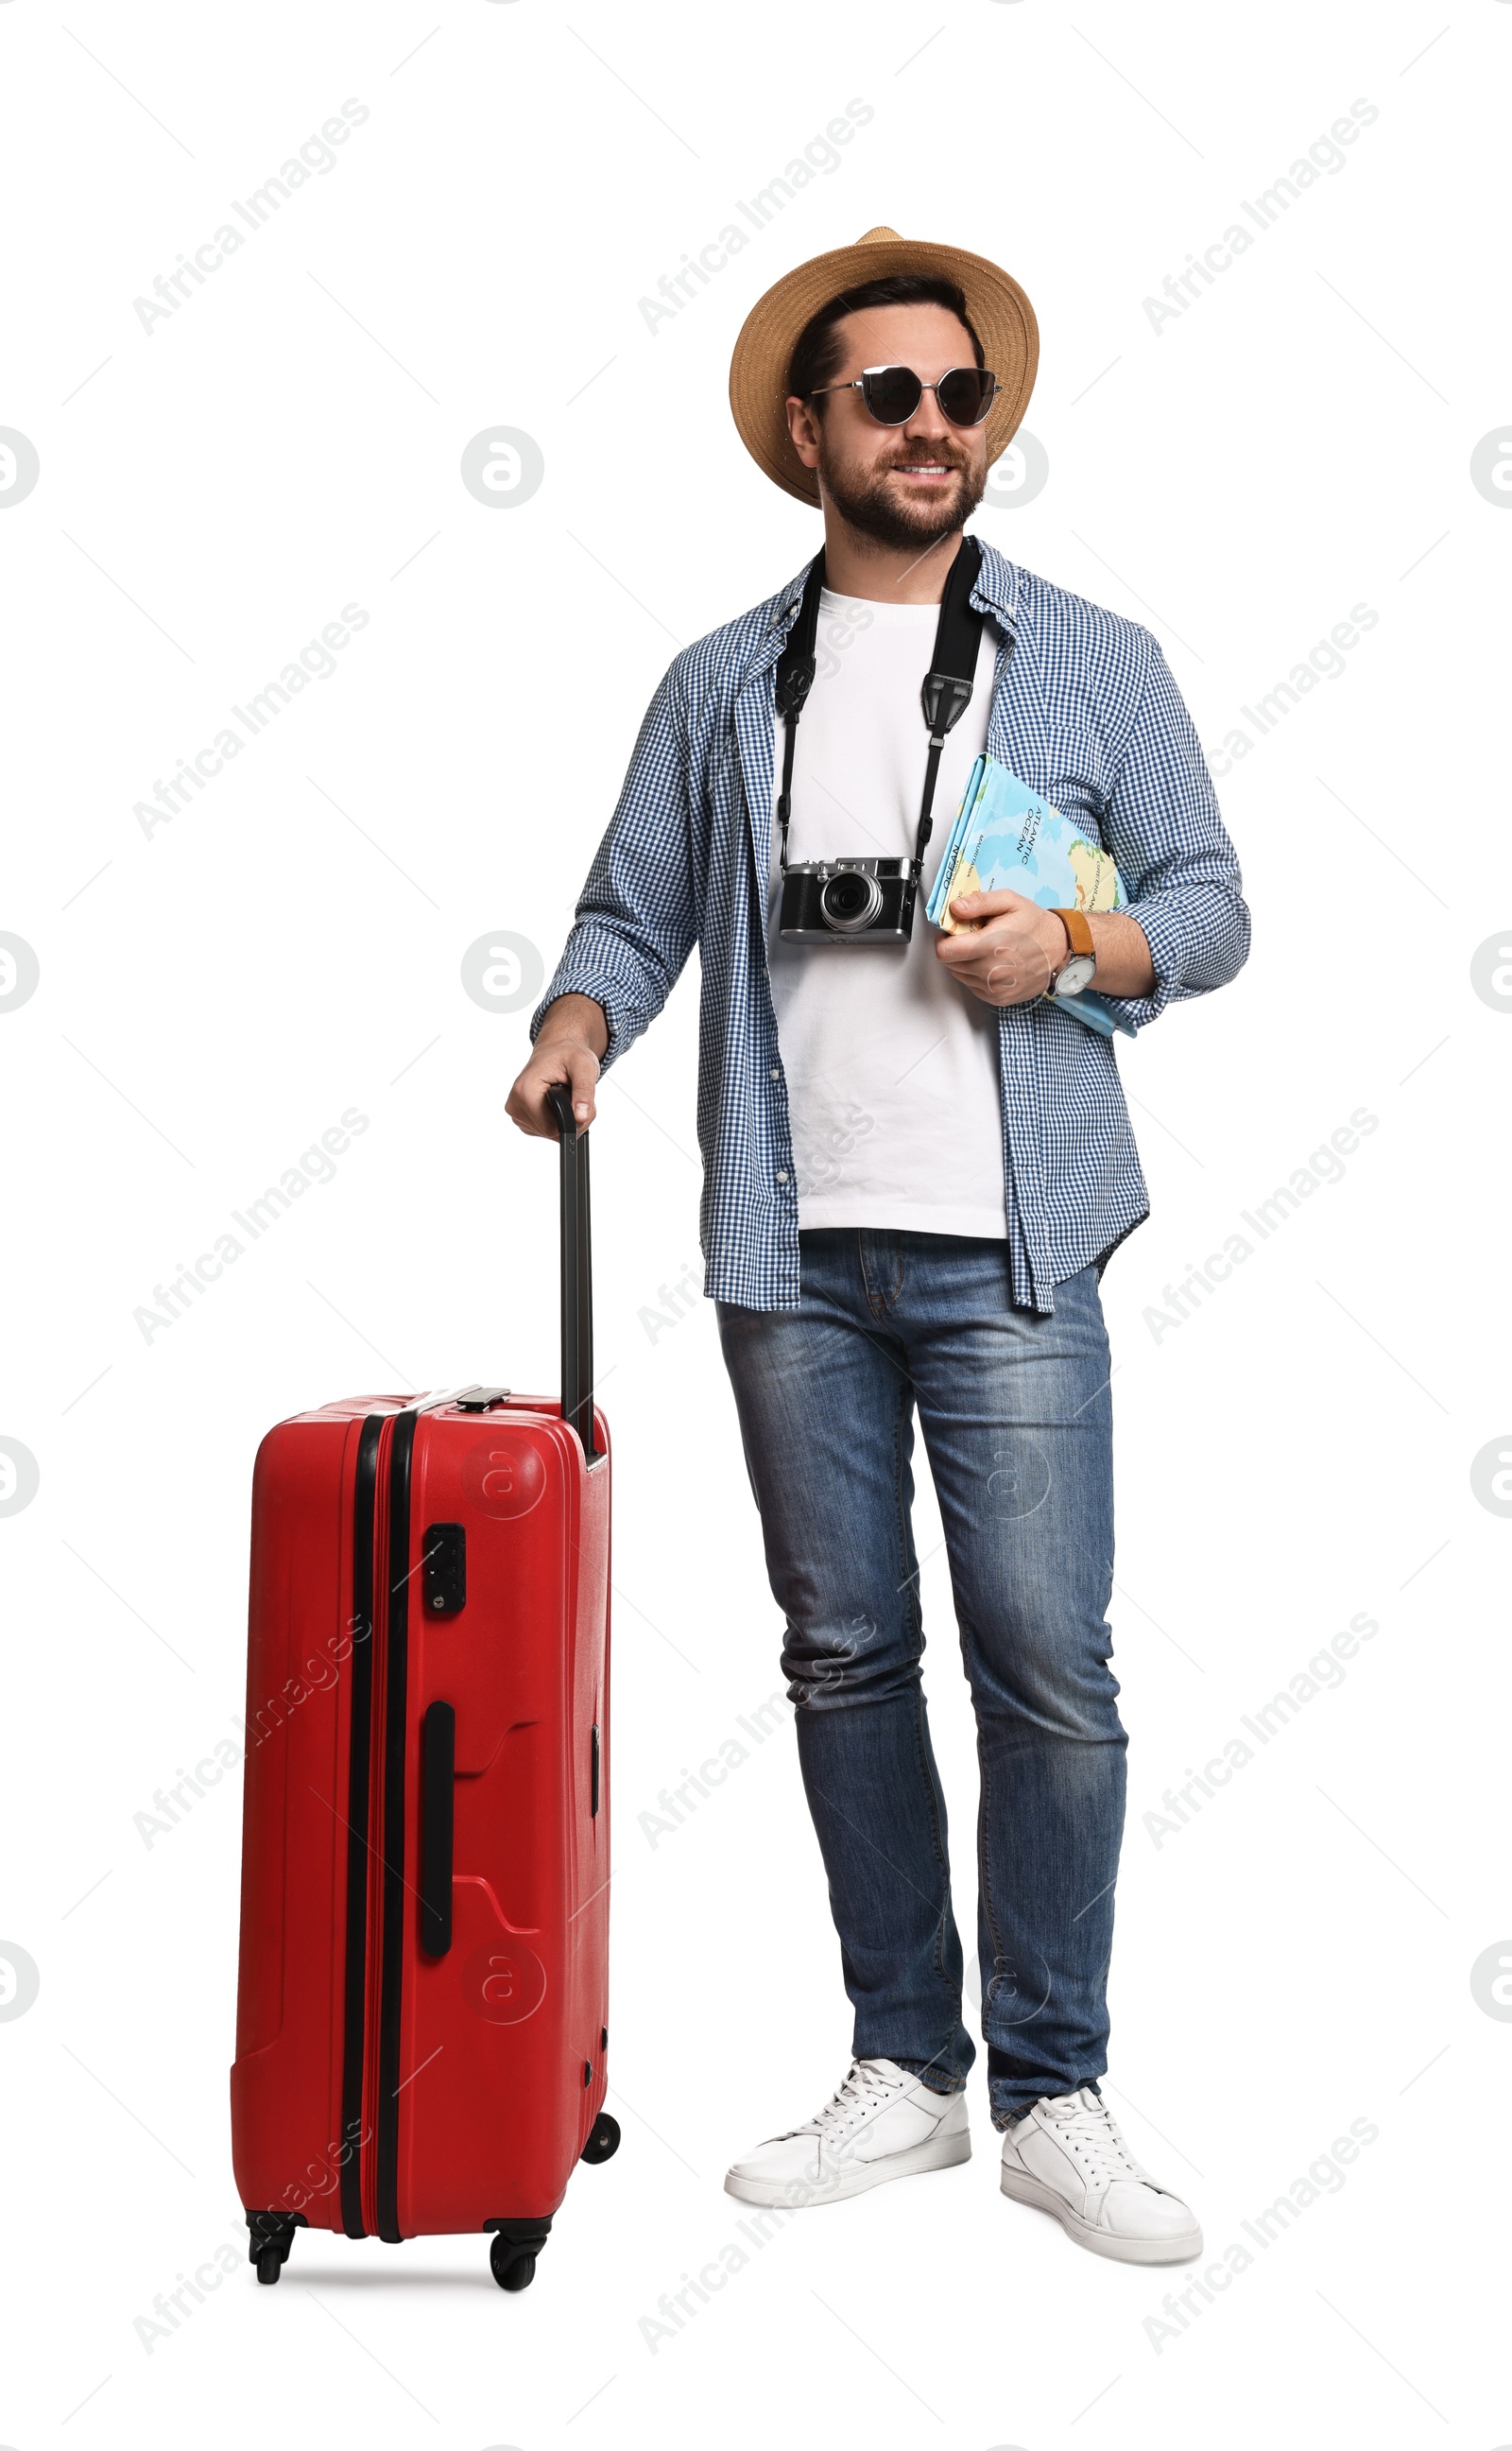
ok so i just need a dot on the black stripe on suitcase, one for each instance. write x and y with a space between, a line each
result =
358 1783
396 1659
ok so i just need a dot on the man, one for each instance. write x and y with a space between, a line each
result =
917 1164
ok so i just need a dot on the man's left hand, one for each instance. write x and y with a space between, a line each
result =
1008 949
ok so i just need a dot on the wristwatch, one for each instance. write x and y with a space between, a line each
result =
1080 967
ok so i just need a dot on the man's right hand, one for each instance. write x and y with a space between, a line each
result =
572 1038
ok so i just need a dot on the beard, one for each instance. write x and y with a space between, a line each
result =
868 504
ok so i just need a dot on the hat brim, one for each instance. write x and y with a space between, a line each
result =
1000 312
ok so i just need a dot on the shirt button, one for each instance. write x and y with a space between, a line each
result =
782 1176
776 1071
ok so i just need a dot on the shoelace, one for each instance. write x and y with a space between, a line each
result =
1091 2131
861 2090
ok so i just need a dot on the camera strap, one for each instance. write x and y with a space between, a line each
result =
945 693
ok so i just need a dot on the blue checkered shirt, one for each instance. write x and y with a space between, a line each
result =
1084 711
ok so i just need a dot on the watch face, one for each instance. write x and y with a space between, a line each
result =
1077 974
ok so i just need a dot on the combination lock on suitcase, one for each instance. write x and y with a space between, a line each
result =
422 2014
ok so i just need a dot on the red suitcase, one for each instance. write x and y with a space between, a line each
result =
422 2013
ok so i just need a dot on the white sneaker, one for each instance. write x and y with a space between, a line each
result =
1066 2156
883 2123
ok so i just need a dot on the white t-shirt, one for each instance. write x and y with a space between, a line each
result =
891 1064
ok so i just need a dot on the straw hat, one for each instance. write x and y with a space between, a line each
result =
1000 313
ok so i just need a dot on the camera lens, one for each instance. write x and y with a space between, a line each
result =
849 901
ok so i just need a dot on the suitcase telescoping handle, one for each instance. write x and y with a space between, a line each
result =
577 1289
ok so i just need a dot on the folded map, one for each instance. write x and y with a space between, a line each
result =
1007 837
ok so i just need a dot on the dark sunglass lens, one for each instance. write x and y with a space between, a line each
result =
965 395
892 393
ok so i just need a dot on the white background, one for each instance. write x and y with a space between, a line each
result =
214 995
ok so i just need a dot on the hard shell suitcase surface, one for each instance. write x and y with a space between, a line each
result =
422 2013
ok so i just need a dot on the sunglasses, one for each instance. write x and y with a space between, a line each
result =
892 393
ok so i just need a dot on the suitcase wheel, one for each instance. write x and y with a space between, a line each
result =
603 2139
272 2235
511 2268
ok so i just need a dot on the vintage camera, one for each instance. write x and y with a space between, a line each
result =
848 902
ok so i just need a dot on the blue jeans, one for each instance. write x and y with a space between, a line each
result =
1017 1427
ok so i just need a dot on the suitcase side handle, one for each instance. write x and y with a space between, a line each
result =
577 1289
437 1772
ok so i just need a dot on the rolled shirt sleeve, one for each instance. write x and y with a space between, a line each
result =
637 919
1179 869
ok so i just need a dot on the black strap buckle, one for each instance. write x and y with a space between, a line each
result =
794 681
946 697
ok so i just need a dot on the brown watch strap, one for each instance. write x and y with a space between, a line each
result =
1078 931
